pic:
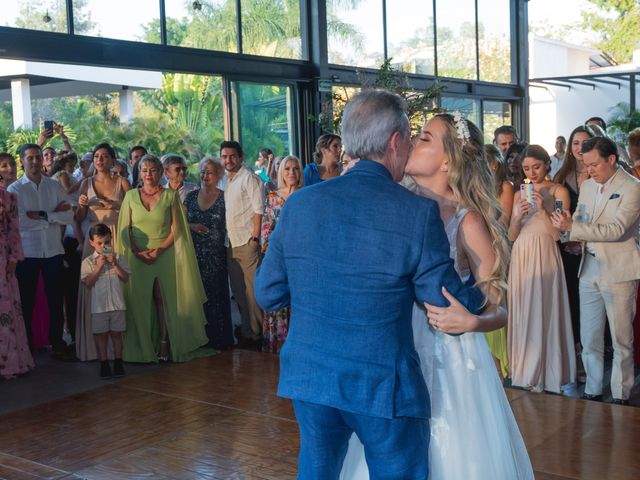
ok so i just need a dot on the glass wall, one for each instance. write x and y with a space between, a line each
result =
264 118
494 115
46 15
410 35
137 20
494 40
464 50
355 33
212 27
469 107
271 28
456 32
185 116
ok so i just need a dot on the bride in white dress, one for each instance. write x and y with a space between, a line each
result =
474 435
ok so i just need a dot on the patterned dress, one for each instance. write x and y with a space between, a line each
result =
275 325
211 253
15 357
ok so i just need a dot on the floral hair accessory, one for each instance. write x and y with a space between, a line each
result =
461 127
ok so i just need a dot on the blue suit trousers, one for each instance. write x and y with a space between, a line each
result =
394 448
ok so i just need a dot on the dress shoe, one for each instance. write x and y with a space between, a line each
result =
118 368
620 401
593 398
105 370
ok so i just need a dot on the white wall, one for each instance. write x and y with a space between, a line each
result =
553 58
557 111
554 110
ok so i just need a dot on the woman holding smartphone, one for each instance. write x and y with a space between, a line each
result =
100 198
540 339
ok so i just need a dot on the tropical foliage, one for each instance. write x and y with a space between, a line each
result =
618 22
622 121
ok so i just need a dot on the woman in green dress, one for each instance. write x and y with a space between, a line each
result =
164 295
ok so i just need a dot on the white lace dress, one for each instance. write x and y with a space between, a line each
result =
474 435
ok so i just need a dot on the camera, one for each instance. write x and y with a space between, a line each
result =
107 250
48 124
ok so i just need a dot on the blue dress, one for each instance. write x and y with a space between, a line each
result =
311 175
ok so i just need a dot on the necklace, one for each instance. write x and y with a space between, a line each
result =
150 194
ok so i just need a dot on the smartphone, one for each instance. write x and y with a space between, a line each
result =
48 124
526 193
558 204
107 250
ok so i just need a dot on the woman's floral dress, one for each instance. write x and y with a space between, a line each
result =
275 325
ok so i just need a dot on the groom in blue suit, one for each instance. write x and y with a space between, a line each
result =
351 255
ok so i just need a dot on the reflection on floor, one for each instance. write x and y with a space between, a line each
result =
219 418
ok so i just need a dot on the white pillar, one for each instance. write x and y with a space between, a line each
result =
21 103
126 105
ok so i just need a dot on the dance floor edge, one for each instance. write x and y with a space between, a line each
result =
219 418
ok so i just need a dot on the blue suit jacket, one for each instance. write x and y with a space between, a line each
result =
351 255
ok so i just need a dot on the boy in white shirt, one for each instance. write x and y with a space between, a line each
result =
102 272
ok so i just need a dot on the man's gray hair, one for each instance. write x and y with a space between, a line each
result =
369 120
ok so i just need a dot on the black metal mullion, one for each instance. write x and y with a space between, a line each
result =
163 23
477 41
514 38
384 29
519 36
305 29
70 26
239 24
632 93
435 39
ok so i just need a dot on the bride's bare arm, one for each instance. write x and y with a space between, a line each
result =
475 242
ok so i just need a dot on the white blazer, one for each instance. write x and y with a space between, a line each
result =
612 227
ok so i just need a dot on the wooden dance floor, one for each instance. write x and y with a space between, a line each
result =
219 418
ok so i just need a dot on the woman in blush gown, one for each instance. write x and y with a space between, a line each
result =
99 202
474 435
540 339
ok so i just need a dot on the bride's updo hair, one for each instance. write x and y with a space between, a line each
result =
471 180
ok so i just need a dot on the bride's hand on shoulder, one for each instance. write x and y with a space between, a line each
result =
452 319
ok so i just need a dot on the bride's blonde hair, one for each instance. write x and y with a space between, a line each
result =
471 180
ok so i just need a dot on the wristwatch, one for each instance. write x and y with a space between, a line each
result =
43 215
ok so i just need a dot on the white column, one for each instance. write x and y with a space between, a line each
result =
21 103
126 105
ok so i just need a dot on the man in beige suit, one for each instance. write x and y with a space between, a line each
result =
606 222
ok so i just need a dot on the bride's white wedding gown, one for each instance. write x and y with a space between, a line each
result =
474 435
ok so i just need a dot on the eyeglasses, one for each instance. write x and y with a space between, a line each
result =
178 169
